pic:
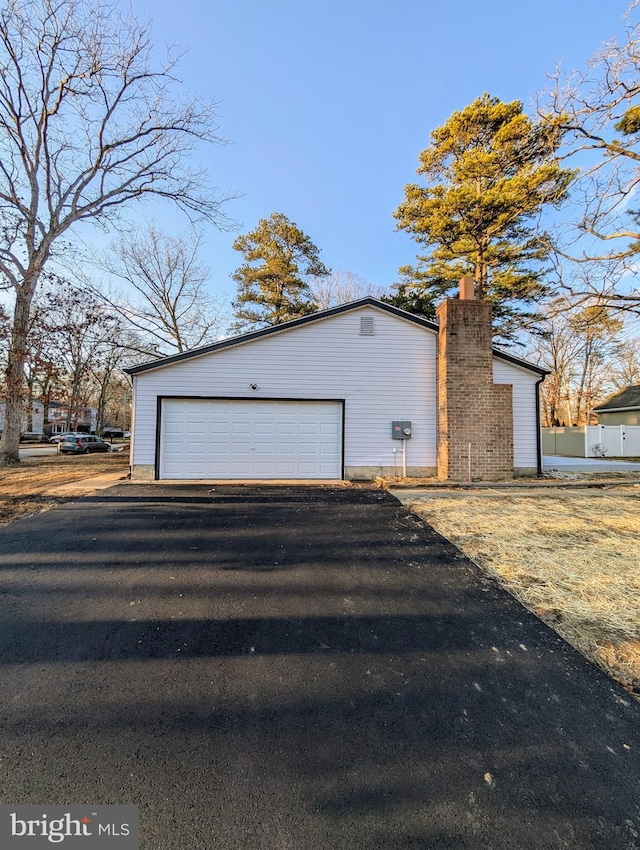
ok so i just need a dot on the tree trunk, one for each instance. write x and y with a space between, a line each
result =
480 271
46 399
10 445
30 404
585 366
102 400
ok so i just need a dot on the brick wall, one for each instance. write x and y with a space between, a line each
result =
475 416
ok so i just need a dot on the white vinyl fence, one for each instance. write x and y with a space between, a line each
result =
612 441
593 441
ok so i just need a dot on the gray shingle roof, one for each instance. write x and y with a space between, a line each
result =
628 397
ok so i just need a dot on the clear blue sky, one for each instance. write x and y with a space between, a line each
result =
328 104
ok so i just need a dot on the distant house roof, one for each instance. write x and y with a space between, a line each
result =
626 399
315 317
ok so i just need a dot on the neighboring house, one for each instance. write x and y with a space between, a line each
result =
82 419
621 408
55 420
315 398
32 420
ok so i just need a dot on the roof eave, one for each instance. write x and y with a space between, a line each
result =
523 364
615 409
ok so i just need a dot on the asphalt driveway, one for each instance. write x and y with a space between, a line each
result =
274 668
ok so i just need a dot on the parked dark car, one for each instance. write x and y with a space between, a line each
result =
33 437
83 444
112 432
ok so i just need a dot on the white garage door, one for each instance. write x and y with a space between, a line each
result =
203 438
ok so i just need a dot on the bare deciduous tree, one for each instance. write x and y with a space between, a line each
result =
107 379
340 287
578 346
625 370
167 302
88 124
44 376
599 114
82 334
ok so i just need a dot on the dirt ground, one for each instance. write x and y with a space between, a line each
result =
26 488
572 556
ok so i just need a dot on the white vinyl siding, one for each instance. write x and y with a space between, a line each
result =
381 377
252 439
525 425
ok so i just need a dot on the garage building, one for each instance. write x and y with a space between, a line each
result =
315 398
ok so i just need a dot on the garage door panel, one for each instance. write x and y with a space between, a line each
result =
264 429
285 429
239 469
198 408
244 439
218 469
328 449
263 469
216 427
308 429
329 429
285 469
309 470
240 427
174 427
177 456
219 448
264 448
308 448
285 449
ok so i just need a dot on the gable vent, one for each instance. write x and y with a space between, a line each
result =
366 326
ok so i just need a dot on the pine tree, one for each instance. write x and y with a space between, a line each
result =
490 171
274 281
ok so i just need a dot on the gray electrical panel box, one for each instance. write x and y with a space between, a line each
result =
401 430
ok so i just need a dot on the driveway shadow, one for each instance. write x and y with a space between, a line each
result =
301 668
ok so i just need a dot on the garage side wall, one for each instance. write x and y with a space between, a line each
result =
620 417
525 425
381 377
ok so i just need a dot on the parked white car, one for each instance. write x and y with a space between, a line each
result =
57 438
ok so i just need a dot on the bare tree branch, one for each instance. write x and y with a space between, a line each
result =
167 300
340 287
598 113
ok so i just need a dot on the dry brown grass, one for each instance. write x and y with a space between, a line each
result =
26 487
571 558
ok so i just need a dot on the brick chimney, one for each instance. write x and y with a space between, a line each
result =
475 416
